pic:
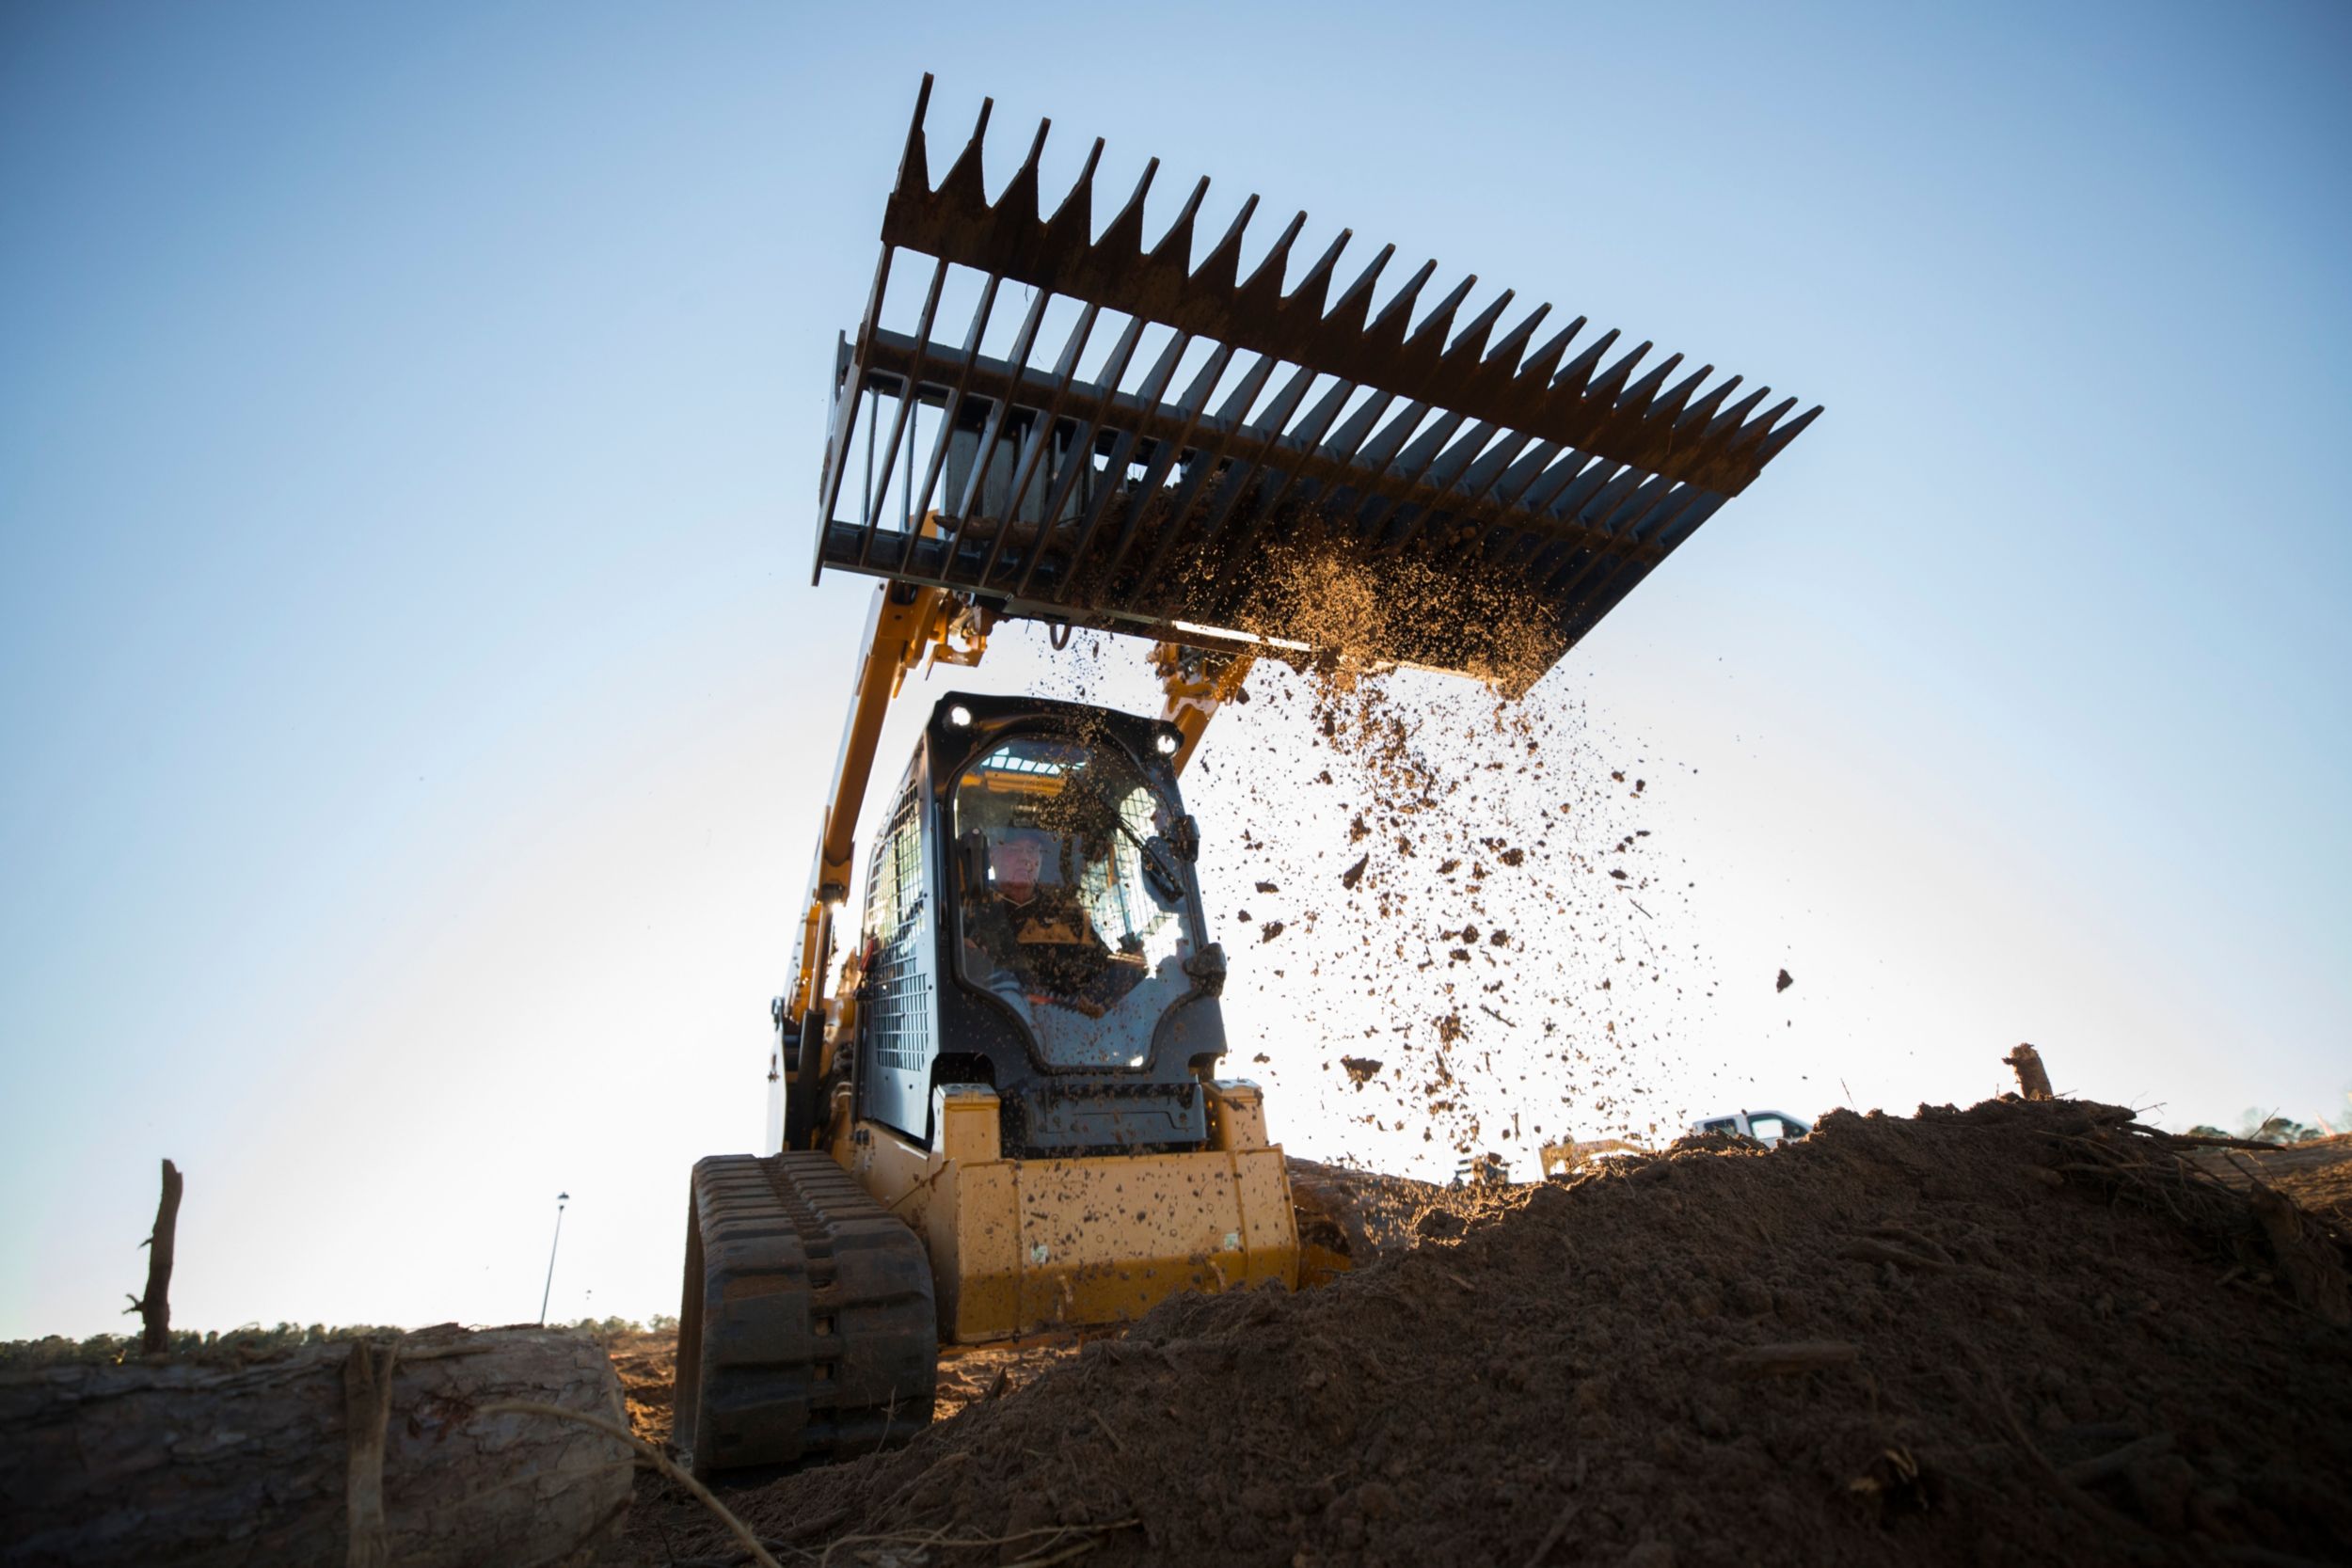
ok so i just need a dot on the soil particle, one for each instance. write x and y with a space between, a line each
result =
2117 1368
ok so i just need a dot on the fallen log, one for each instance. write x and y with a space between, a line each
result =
360 1452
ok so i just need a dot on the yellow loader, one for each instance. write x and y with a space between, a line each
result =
1005 1113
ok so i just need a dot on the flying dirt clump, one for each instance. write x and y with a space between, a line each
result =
2029 1332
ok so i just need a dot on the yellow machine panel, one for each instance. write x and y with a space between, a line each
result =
1021 1245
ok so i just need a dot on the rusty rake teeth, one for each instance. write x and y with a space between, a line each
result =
1354 423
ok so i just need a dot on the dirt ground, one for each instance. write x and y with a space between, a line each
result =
2020 1333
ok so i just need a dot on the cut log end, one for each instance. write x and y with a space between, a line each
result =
336 1453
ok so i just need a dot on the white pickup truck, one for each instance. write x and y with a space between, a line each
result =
1765 1127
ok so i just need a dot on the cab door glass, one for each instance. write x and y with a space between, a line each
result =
1766 1128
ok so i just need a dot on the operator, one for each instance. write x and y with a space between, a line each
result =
1038 938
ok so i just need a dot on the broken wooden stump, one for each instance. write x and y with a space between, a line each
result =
348 1452
2033 1079
154 1307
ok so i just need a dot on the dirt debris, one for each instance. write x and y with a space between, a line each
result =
2028 1332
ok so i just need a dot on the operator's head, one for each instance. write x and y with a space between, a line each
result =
1016 863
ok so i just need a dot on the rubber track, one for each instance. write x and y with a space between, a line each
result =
807 1331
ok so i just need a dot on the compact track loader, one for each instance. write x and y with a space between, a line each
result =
1005 1113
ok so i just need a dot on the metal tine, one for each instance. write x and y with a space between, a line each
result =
1605 389
1591 511
1123 236
1700 412
1519 449
907 402
1228 421
1263 289
914 162
1599 576
1517 487
1521 473
1222 264
1176 244
1353 432
1278 414
1636 398
1315 287
1082 445
1731 418
1625 516
966 186
1535 541
1447 467
1195 404
1505 356
1040 441
1470 344
1664 514
1567 499
1669 405
999 410
1475 448
1537 371
1075 215
1397 314
1411 467
1675 530
1430 336
1358 427
1754 430
1348 311
1786 434
838 442
1577 371
1580 615
1375 458
954 404
1020 193
1379 449
1154 382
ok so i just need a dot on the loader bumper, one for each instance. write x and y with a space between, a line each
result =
1022 1246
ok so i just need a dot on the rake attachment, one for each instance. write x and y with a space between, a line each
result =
1323 480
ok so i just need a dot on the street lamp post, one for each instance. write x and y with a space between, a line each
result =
561 1199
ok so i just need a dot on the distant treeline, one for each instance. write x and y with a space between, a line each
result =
253 1341
2261 1127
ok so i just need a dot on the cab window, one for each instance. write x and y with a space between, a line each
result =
1073 911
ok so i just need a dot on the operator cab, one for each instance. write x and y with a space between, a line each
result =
1038 861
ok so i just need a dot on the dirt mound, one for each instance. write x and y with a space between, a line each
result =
2026 1332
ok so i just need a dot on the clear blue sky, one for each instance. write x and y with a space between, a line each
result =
416 706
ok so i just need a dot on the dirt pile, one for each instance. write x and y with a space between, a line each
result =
2026 1332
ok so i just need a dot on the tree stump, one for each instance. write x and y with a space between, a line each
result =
342 1453
154 1309
2033 1079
